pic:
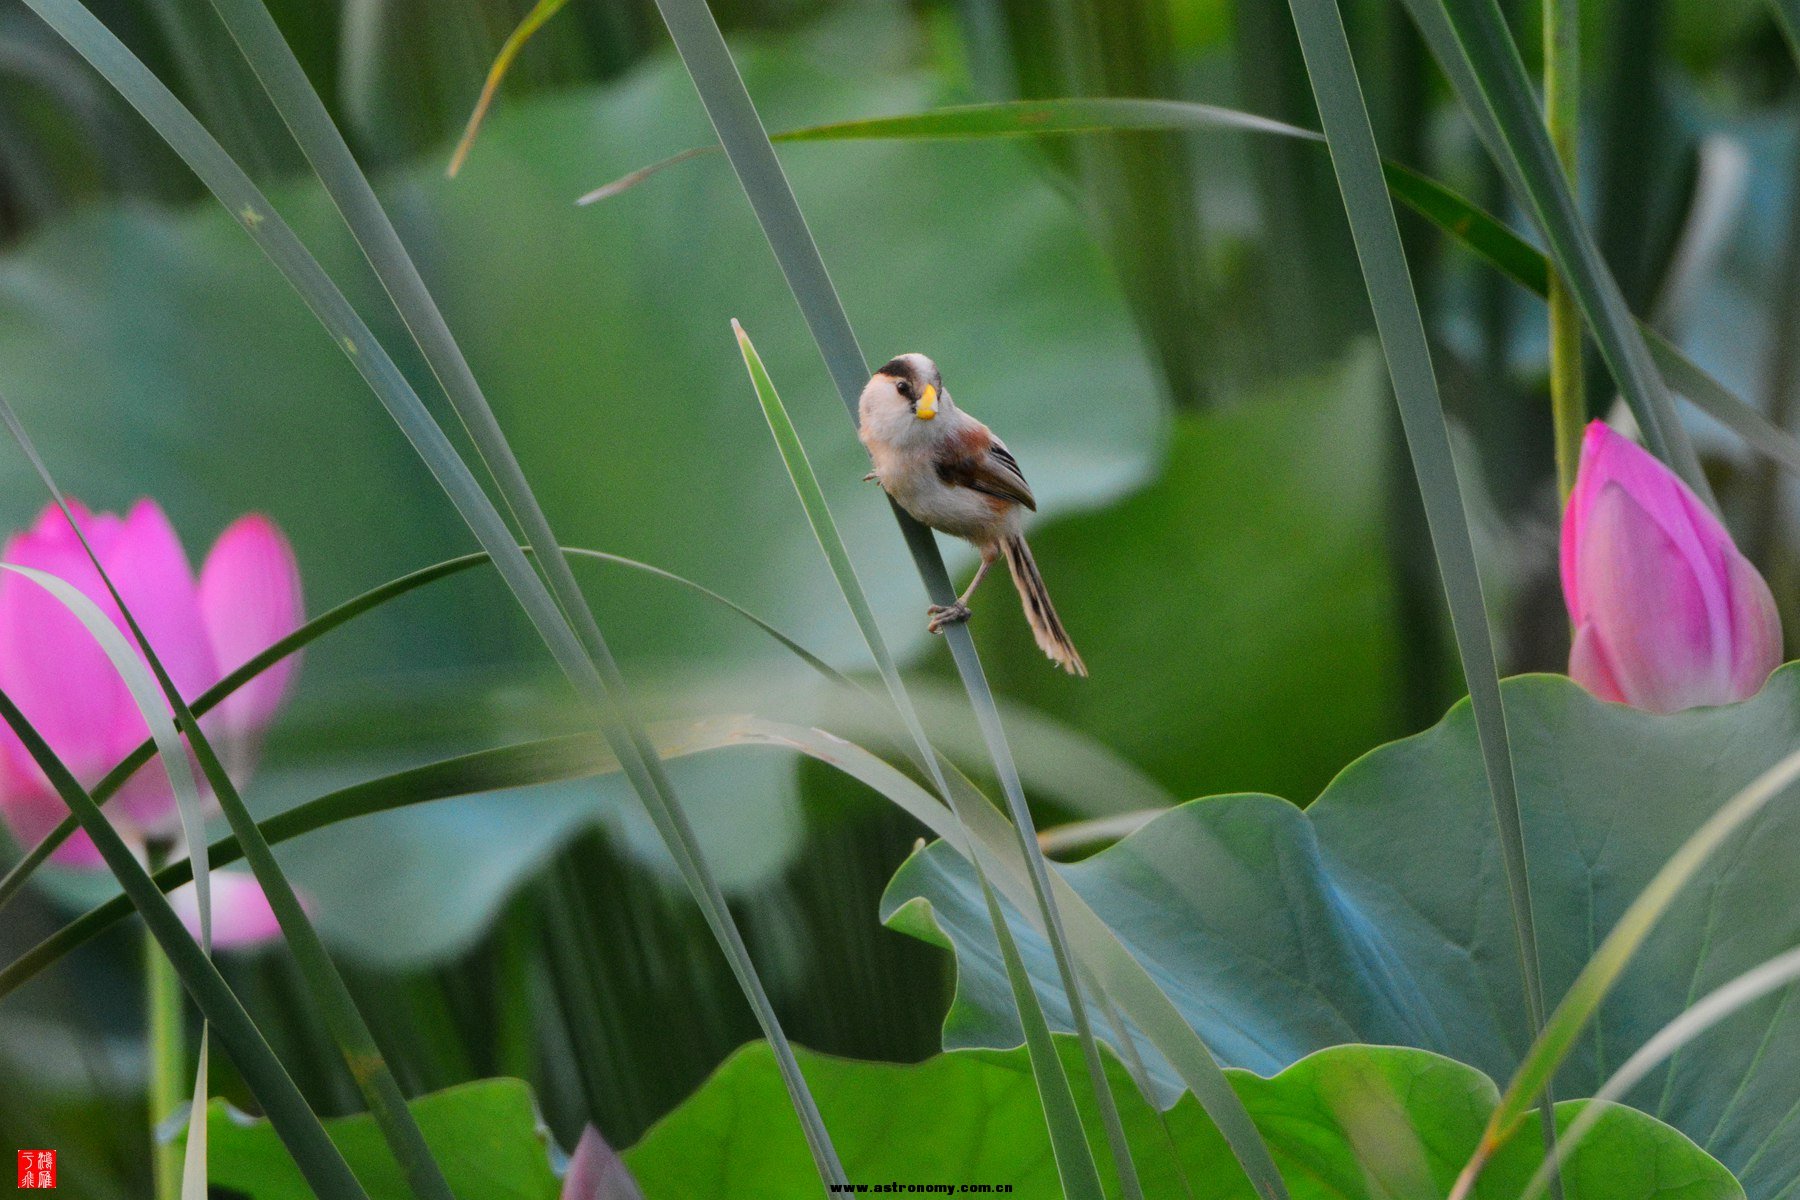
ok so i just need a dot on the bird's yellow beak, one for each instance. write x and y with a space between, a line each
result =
927 403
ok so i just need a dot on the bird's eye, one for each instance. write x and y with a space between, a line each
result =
904 388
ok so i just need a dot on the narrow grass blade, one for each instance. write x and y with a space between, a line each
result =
1702 1015
534 20
1377 236
1471 42
752 156
1007 118
355 1040
1462 220
349 610
193 1167
563 621
1074 1161
144 694
1553 1044
318 1160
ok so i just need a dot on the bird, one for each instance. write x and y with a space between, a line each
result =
950 472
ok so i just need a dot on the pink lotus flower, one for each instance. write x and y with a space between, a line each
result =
1667 613
247 595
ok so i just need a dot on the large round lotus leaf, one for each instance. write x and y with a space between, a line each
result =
159 353
156 352
1380 913
1350 1123
485 1137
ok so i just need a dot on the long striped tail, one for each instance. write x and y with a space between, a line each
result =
1052 639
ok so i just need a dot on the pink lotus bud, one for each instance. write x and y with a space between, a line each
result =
248 595
1667 613
597 1173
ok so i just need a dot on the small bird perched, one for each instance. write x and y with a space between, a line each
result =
950 472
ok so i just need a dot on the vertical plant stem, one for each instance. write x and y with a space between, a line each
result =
1568 398
1562 117
168 1065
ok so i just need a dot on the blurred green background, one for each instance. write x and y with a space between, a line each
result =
1170 332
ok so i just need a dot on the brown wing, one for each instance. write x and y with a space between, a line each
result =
980 462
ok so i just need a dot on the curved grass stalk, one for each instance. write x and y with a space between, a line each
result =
1074 1161
1702 1015
1465 222
540 13
999 119
324 623
1615 953
557 611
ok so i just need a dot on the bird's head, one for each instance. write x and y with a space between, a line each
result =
906 389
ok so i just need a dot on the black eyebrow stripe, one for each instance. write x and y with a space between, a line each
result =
899 368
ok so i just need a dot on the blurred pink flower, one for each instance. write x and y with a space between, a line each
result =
247 596
1667 613
241 916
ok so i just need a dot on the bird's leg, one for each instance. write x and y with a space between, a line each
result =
941 615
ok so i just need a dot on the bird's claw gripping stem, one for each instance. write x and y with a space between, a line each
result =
946 614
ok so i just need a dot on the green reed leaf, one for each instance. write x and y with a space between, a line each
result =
1462 220
1377 235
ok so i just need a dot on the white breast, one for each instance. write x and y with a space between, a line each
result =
909 476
